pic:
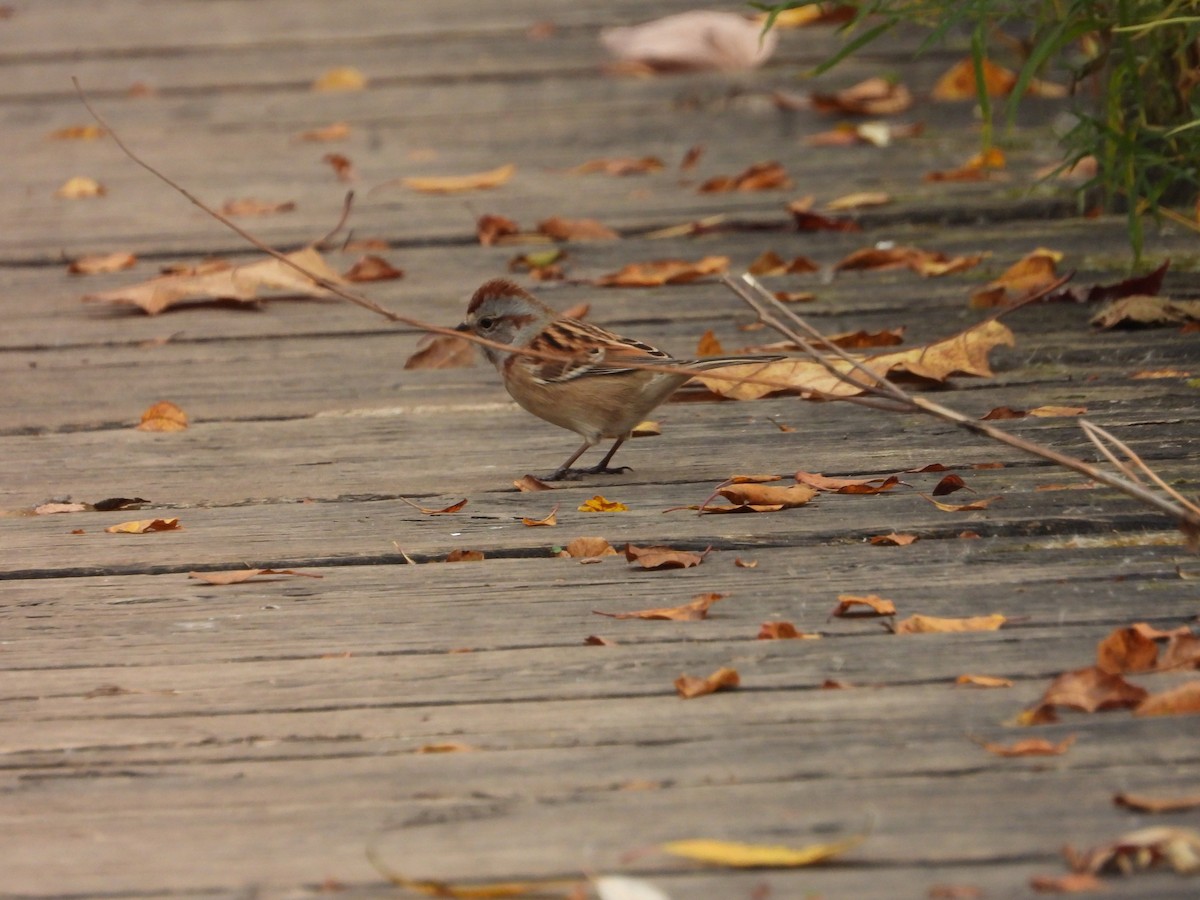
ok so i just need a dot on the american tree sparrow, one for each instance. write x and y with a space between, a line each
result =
591 390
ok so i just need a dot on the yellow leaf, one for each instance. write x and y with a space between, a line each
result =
143 526
600 504
451 184
344 78
81 186
163 416
919 624
738 855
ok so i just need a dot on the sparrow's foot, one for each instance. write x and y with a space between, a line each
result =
606 470
579 474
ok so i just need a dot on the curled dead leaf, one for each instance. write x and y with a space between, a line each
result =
454 184
773 631
561 229
529 484
342 78
872 97
240 576
654 273
163 416
761 176
373 268
848 606
550 519
599 503
102 264
919 624
983 681
739 855
1028 747
663 557
80 187
464 556
620 165
724 679
588 547
692 611
442 351
145 526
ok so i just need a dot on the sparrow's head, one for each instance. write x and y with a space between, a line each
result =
506 313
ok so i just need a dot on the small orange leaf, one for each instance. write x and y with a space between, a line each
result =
343 78
1091 690
1126 650
163 416
663 557
984 681
763 176
858 200
973 506
1071 883
783 631
1029 747
445 747
1054 412
338 131
919 624
709 345
79 187
958 83
560 229
872 97
102 264
1147 804
654 273
949 484
745 563
145 526
692 611
251 206
724 679
342 167
464 556
894 539
239 576
588 548
372 268
78 133
449 510
441 351
529 484
622 165
876 606
550 519
453 184
1181 700
491 229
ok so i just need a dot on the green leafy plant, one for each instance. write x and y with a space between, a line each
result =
1132 67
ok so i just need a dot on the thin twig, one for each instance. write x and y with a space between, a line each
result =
765 304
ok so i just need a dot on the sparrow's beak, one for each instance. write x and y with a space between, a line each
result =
462 326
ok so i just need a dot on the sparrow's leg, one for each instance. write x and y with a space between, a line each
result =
601 468
564 471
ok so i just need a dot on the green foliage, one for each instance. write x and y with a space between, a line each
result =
1132 67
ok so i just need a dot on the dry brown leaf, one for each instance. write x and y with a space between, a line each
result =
980 167
847 606
692 611
1029 747
588 548
807 220
663 557
874 485
145 526
337 131
692 40
973 506
877 134
945 891
858 200
464 556
691 157
1160 373
1181 700
560 229
1027 276
1137 310
1147 804
964 353
80 187
373 268
238 576
1092 690
620 165
490 229
724 679
550 519
77 133
1142 849
930 264
984 681
1004 412
102 263
745 563
446 511
1182 652
242 284
1057 412
163 416
441 351
766 497
251 206
894 539
529 484
342 78
1071 883
774 631
709 345
958 83
1126 650
771 263
872 97
454 184
761 176
445 747
949 484
342 167
919 624
594 640
654 273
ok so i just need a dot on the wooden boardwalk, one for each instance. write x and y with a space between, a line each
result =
162 737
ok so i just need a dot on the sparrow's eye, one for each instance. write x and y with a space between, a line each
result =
487 323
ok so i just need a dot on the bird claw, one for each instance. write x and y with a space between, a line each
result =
579 474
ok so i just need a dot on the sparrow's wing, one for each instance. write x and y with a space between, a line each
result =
588 350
